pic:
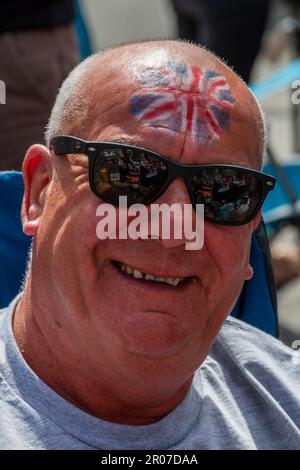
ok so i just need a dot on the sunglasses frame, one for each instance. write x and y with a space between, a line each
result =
64 145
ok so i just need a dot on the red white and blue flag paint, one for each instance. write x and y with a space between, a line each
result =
186 99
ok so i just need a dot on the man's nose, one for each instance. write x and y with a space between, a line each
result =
174 213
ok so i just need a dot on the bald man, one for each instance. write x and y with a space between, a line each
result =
125 343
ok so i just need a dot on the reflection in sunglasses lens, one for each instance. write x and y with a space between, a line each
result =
128 172
229 195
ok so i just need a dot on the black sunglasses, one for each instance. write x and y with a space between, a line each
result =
232 195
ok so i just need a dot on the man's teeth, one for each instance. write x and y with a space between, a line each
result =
172 281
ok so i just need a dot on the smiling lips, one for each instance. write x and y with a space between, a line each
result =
172 281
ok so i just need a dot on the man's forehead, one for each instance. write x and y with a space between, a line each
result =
184 98
168 86
163 82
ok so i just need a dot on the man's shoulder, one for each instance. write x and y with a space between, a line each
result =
248 341
5 315
257 357
250 386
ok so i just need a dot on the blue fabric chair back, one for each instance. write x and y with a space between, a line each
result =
14 245
257 304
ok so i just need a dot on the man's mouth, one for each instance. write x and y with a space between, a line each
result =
130 271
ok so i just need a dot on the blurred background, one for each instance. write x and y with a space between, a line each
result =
259 38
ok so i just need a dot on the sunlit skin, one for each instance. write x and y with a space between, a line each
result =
183 98
121 349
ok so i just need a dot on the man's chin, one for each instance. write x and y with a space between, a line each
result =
154 334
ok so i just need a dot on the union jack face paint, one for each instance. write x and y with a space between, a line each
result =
186 99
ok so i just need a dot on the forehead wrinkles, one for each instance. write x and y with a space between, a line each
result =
184 98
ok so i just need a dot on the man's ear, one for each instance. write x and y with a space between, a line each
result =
249 272
253 225
36 170
256 221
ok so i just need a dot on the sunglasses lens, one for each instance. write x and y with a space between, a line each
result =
229 195
128 172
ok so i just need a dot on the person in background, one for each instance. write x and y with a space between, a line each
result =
38 48
232 29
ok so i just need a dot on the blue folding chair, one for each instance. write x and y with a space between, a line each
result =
14 245
84 42
282 207
256 305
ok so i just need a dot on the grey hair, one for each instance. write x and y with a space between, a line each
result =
28 267
72 103
262 126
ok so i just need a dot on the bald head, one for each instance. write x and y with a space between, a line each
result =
121 81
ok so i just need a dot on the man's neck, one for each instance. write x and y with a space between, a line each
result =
74 385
